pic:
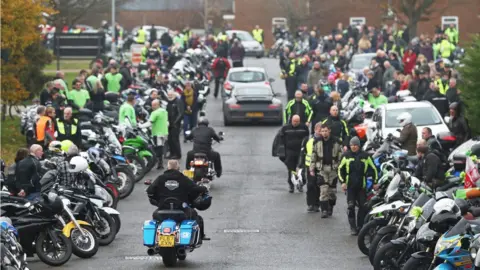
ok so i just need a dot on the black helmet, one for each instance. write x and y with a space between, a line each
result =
463 205
475 149
202 202
203 121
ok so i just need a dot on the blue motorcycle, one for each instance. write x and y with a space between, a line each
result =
171 233
453 248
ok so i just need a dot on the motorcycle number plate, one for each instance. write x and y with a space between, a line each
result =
188 173
166 241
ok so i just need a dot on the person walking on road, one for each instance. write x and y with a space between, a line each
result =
298 106
292 135
290 75
237 53
175 116
258 34
352 173
326 154
220 67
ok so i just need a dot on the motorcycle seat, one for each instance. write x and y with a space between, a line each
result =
200 155
447 186
161 215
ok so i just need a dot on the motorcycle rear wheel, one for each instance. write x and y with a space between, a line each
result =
140 164
169 257
378 241
125 176
366 231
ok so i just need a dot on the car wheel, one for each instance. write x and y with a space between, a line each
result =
226 122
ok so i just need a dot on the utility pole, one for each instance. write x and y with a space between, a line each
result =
113 30
205 14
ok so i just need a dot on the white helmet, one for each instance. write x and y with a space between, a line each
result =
198 51
404 119
55 147
77 164
190 52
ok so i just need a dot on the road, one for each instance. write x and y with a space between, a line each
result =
254 223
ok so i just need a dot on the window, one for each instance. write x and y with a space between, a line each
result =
421 116
247 76
253 91
360 61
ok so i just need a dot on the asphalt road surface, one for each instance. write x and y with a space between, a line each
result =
253 223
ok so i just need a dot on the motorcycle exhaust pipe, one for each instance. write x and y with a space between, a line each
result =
150 252
181 252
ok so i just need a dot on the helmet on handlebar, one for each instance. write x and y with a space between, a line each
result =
77 164
198 51
404 119
55 147
203 121
202 202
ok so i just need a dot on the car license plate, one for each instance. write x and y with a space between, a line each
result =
166 241
255 114
188 173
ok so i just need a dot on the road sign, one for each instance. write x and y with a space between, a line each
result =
136 54
229 17
448 20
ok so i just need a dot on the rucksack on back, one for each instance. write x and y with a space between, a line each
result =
221 66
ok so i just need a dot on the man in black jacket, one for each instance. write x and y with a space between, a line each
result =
202 137
337 126
173 184
433 173
292 136
27 174
320 104
166 39
175 116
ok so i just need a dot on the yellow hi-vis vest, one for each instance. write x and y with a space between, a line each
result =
141 36
308 152
257 35
61 127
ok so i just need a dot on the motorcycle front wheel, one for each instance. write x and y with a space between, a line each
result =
126 182
367 234
61 249
417 263
106 228
84 246
140 166
378 241
387 256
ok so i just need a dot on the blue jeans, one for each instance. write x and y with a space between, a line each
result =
189 122
34 197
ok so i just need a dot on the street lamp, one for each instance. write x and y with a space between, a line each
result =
113 49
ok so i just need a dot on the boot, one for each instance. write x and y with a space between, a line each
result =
160 165
291 189
331 204
300 187
316 208
324 207
311 209
353 226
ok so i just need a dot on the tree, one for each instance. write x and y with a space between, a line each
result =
70 11
470 84
296 12
20 20
211 10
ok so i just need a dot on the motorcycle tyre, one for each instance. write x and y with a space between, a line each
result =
116 219
383 252
115 198
372 224
379 238
129 184
139 176
86 254
169 257
418 264
107 239
38 249
151 161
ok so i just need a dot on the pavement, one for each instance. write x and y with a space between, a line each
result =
253 223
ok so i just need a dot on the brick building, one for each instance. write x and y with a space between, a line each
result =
326 14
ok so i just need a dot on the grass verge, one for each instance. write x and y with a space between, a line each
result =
11 139
69 64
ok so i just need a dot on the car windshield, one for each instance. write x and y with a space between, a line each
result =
253 91
247 76
244 36
421 116
361 61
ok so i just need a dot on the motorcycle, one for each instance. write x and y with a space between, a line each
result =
12 256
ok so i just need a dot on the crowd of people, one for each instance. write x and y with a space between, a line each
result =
315 143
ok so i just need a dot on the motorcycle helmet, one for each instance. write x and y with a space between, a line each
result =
55 147
404 119
202 202
462 205
203 121
198 51
94 154
190 51
65 145
446 205
77 164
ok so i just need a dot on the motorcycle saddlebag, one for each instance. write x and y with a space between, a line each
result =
188 232
149 229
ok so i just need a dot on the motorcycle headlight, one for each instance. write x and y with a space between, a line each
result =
442 245
473 253
66 202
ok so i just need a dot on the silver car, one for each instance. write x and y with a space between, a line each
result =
252 47
252 76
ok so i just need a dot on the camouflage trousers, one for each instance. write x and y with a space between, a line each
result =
327 180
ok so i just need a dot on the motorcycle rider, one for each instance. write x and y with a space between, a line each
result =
408 135
292 135
326 154
154 52
433 172
298 106
202 137
337 126
458 124
313 190
352 173
172 183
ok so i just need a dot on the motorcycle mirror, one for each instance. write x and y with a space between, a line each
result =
271 80
221 133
